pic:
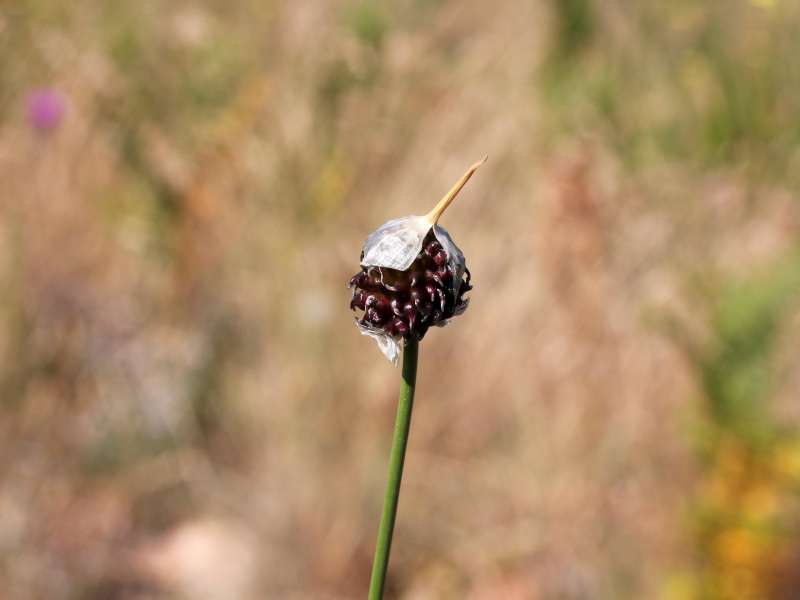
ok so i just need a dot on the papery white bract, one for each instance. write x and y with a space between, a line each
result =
455 258
396 243
390 346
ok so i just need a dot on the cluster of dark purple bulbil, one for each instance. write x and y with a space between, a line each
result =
406 303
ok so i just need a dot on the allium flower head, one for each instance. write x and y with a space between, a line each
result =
412 276
45 109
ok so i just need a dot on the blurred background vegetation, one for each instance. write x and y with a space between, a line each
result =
187 408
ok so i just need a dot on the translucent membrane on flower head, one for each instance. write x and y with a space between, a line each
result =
396 243
388 344
455 257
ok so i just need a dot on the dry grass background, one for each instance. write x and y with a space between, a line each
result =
188 410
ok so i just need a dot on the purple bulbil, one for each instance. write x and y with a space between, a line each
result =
406 303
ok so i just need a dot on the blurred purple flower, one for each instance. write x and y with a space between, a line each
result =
45 109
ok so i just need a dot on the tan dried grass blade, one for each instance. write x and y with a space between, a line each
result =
433 216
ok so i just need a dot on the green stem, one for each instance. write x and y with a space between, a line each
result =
402 425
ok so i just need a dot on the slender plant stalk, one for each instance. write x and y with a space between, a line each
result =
402 425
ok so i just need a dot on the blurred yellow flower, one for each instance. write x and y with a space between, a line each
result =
787 460
761 501
740 547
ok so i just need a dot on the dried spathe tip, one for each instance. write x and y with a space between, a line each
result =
396 243
433 216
